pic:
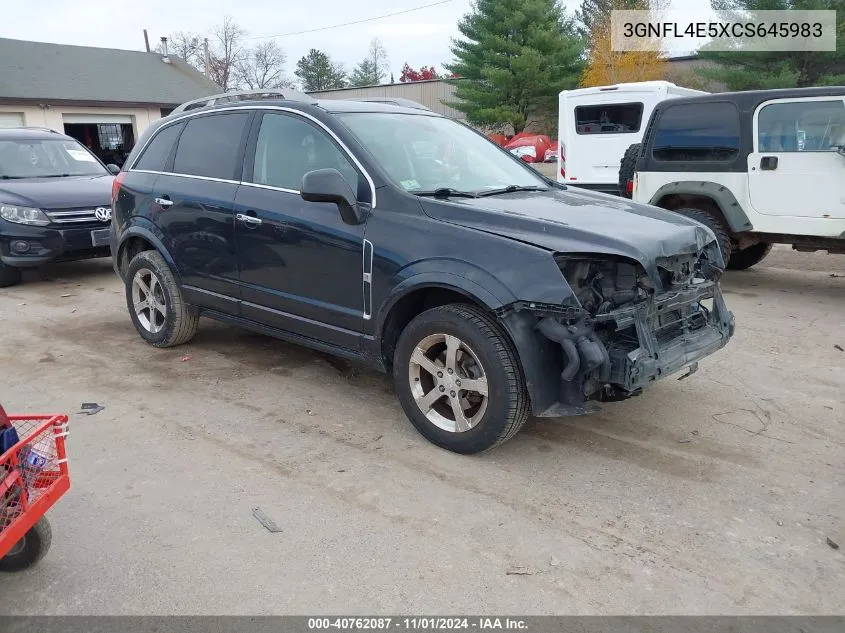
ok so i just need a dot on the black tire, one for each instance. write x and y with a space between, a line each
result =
627 168
748 257
715 224
507 405
30 549
9 276
180 321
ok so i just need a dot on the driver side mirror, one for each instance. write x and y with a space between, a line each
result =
841 150
328 185
113 169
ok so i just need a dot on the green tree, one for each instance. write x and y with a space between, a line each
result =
749 70
317 71
514 58
373 68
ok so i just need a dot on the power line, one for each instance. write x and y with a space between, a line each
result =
337 26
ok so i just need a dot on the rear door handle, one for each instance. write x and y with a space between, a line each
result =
248 219
769 163
164 202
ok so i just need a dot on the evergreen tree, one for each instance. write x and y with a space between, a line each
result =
748 70
514 58
373 68
317 71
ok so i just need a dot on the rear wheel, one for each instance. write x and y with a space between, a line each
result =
748 257
627 168
458 379
9 276
715 224
158 311
30 549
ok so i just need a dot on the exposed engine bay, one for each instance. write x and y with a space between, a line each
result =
624 328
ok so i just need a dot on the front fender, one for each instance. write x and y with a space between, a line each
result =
722 197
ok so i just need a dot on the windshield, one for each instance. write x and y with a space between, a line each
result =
425 153
46 158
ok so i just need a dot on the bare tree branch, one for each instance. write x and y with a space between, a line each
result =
228 52
263 67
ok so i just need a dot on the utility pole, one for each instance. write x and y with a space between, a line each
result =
206 57
146 40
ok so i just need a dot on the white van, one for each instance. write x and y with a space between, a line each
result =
596 126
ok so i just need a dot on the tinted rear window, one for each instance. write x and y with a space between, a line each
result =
697 132
209 146
158 151
619 118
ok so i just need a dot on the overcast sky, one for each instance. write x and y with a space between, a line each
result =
420 37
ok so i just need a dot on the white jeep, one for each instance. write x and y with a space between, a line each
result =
758 168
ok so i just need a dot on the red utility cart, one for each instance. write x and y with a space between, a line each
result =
33 475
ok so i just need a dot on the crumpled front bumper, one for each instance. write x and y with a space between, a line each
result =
673 332
571 361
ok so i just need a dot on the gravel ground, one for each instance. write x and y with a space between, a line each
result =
715 495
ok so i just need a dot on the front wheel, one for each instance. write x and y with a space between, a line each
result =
9 276
30 549
458 378
158 311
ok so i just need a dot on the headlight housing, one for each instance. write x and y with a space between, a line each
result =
23 215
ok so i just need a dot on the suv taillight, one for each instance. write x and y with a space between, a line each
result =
115 186
629 189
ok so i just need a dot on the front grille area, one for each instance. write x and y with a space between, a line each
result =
72 216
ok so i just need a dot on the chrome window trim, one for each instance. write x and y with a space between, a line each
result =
295 112
168 173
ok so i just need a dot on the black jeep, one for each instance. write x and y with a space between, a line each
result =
407 241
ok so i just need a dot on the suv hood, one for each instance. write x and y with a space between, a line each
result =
58 193
578 221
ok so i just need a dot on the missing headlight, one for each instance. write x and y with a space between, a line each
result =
604 283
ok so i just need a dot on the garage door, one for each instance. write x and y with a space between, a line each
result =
11 119
96 118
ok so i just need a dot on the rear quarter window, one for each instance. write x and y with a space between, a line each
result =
154 157
697 132
617 118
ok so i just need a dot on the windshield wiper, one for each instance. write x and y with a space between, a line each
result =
445 192
5 177
511 189
53 176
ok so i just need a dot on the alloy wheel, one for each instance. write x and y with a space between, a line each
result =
448 383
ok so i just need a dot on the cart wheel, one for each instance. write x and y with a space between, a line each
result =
30 549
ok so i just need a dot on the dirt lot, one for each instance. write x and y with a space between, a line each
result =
711 495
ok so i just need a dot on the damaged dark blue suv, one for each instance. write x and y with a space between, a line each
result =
406 241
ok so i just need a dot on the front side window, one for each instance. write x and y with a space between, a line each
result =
619 118
423 153
47 158
807 126
697 132
289 147
209 146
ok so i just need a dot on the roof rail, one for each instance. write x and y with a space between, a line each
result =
285 94
397 101
39 128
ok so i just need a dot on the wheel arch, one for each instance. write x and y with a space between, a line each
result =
135 240
422 292
709 195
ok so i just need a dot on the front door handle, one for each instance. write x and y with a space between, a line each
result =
249 220
164 202
769 163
